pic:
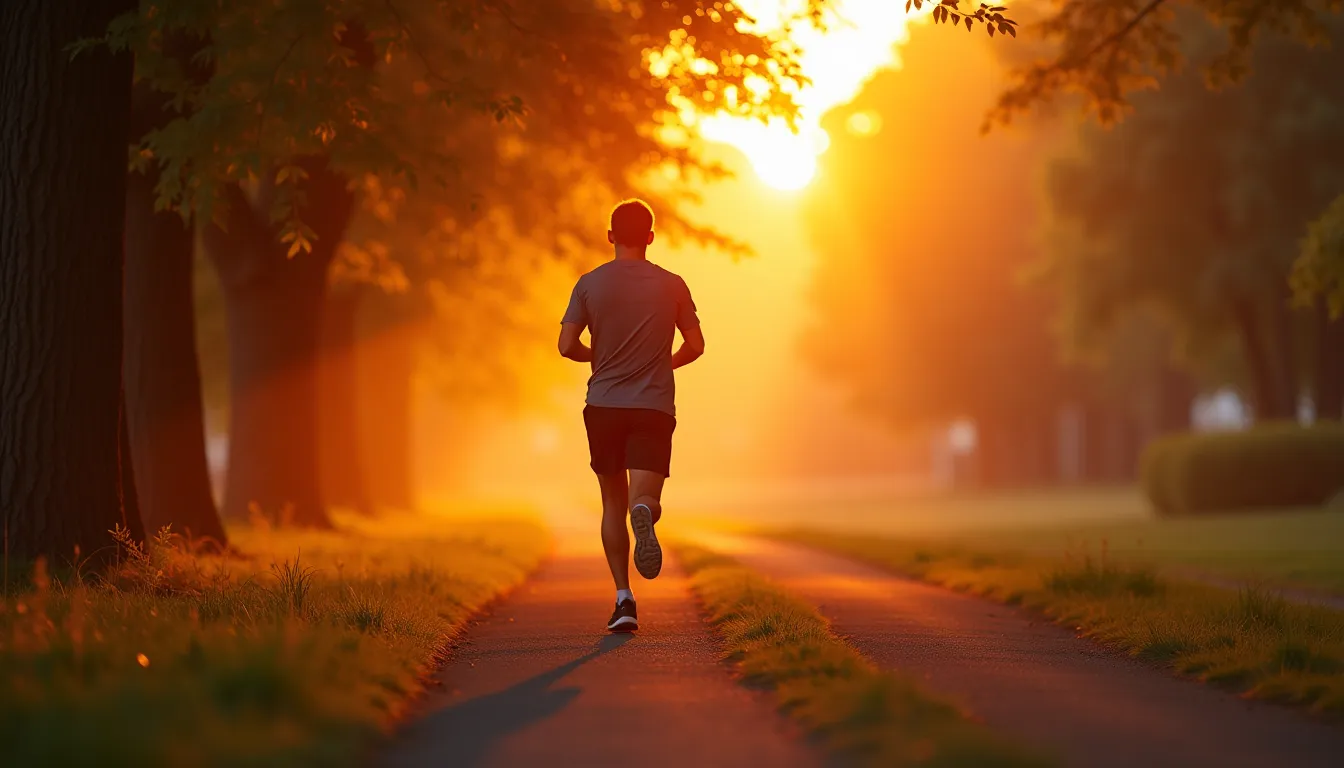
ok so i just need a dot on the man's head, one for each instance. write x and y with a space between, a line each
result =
631 225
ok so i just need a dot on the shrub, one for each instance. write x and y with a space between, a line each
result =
1272 465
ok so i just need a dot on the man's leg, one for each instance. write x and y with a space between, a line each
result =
646 488
648 454
615 537
646 491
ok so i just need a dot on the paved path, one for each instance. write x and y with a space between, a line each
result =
540 682
1036 680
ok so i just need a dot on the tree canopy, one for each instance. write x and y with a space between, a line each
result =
1319 270
336 79
1196 203
1105 50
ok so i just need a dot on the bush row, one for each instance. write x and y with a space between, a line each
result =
1271 465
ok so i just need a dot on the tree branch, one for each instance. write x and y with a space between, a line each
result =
1113 38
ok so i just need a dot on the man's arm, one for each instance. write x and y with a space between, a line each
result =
571 343
692 346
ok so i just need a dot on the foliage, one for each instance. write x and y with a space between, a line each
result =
1319 269
368 84
229 662
1250 639
875 718
950 11
1269 466
1104 50
1193 204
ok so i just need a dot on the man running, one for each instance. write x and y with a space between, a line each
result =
633 309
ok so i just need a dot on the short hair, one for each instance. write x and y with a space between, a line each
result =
631 223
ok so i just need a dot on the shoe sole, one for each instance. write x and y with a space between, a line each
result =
623 624
648 552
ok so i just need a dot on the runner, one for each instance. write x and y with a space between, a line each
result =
633 308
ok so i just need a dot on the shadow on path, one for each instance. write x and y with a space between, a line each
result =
474 726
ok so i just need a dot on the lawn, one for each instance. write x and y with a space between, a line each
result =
1251 640
827 686
1291 548
301 651
1301 548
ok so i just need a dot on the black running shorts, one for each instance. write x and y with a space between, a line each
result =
629 438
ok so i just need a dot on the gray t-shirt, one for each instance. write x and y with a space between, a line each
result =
632 308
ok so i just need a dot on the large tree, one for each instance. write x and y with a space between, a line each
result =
1104 50
63 127
1196 203
166 415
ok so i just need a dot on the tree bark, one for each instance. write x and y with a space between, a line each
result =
1329 384
274 305
340 446
163 379
63 128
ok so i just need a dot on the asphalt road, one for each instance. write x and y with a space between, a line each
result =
540 682
1037 681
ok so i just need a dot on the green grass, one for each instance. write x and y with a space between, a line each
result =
300 652
1297 548
828 687
1251 640
1301 549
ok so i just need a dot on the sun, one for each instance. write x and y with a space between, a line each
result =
860 41
781 158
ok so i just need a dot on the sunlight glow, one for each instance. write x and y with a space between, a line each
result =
860 41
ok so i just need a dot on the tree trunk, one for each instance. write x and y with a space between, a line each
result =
163 380
387 376
1329 385
1175 395
340 446
274 338
1282 348
1266 399
63 128
131 516
274 305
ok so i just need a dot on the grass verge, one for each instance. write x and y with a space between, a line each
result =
828 687
1251 640
1294 548
1298 549
301 651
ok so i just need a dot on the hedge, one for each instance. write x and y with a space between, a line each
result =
1271 465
